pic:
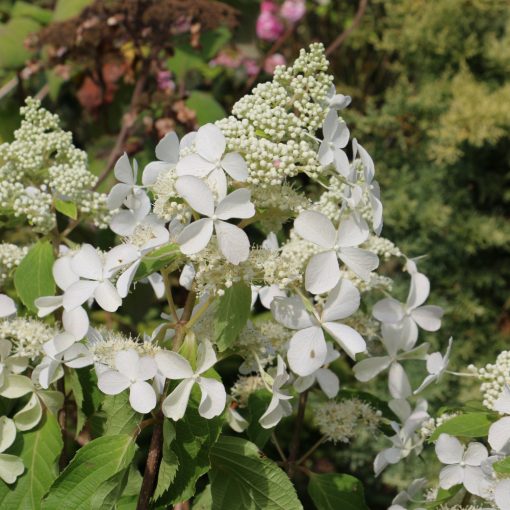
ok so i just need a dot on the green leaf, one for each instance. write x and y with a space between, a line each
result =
14 54
68 209
205 106
40 451
158 259
242 478
184 60
503 466
204 500
333 491
85 479
257 406
194 437
213 40
169 461
28 10
33 277
232 314
65 9
120 416
465 425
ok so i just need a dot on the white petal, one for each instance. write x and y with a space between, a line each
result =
349 339
236 205
142 397
217 182
276 410
7 306
7 433
45 305
502 494
112 382
428 317
342 301
476 453
126 279
187 276
206 357
307 351
30 415
499 434
173 365
473 479
368 164
317 228
10 467
86 263
328 381
267 294
236 421
213 398
210 142
418 290
78 293
235 166
303 383
361 262
126 362
368 368
124 222
168 148
322 272
59 344
388 310
146 368
291 312
330 125
393 338
398 382
188 140
449 449
157 284
341 161
117 195
352 232
174 406
196 236
63 273
107 296
196 193
152 171
118 257
450 476
123 171
16 386
194 165
502 403
233 242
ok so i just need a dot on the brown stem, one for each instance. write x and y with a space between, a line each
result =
152 465
296 436
311 450
127 124
362 6
185 317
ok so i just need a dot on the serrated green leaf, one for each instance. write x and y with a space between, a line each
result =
466 425
33 277
158 259
231 314
89 472
242 478
169 461
120 418
205 106
68 209
204 500
257 406
40 450
194 437
332 491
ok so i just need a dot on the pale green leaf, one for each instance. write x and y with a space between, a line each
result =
158 259
465 425
205 106
68 209
332 491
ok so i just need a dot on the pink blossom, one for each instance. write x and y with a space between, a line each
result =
269 26
272 61
293 10
251 66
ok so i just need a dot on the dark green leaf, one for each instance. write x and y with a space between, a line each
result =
204 500
169 461
466 425
205 106
33 277
257 406
242 478
120 418
333 491
40 450
231 314
85 479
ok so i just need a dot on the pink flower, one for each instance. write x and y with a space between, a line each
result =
251 66
274 60
269 27
293 10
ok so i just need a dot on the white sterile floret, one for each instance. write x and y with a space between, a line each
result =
10 364
167 152
127 176
436 367
307 348
232 241
279 407
323 272
336 137
7 306
210 160
398 349
413 313
131 371
10 466
463 465
174 366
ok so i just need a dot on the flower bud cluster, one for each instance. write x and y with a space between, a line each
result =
494 377
26 335
10 257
